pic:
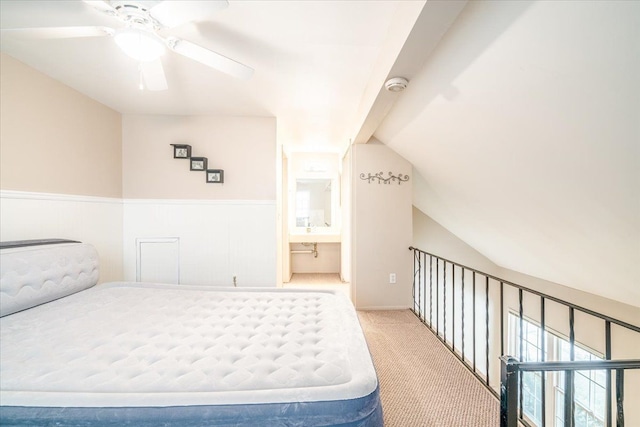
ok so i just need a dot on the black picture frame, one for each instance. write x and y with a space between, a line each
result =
198 164
215 176
181 151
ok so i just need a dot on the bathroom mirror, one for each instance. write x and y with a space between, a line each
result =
313 203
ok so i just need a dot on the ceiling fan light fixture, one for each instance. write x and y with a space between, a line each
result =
139 44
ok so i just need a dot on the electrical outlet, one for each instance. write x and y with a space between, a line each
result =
392 278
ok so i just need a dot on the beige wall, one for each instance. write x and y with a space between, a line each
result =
245 147
431 237
54 139
60 165
381 230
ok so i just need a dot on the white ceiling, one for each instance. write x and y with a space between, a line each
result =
312 61
525 127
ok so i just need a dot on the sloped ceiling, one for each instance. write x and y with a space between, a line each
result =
524 125
312 61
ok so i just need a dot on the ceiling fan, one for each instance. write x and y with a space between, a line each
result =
139 34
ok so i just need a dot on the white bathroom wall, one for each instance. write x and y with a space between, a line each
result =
315 165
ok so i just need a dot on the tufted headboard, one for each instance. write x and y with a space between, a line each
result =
36 272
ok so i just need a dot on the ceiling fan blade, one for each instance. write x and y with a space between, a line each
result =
210 58
57 32
173 13
102 6
153 75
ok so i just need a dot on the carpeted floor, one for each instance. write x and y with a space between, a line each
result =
329 281
421 383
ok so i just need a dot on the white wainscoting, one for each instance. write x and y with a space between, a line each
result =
218 239
95 220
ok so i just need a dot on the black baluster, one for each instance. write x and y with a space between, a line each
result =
569 389
486 305
501 319
620 397
463 315
521 347
607 356
473 313
542 358
438 297
453 307
444 302
424 294
431 291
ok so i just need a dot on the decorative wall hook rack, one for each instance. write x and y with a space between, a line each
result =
379 177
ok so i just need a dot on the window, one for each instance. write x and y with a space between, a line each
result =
590 399
532 352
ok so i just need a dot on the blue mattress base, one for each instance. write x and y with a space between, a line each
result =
362 412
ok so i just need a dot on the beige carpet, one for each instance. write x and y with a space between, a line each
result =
421 382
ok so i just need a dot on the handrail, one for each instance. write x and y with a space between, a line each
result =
510 375
580 365
538 293
438 287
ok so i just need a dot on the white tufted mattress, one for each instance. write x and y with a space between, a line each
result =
152 354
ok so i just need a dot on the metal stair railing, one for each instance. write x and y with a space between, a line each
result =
434 292
509 385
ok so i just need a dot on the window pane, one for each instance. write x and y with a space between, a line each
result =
531 353
581 354
589 394
565 350
600 402
560 405
580 417
532 333
582 389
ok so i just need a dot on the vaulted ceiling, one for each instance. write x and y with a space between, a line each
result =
524 125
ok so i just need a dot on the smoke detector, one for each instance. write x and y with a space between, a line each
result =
396 84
